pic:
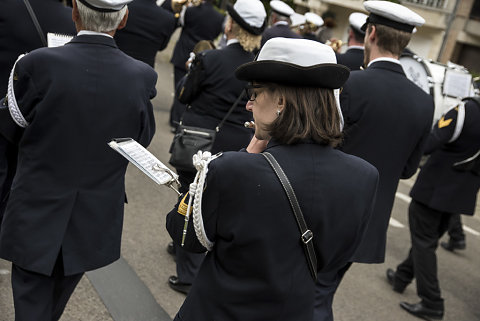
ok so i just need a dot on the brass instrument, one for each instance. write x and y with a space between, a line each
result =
336 44
177 5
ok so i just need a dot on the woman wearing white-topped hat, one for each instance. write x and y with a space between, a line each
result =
262 264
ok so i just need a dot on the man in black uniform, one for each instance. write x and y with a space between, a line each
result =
211 89
148 30
279 22
387 122
353 57
18 35
65 211
441 190
200 22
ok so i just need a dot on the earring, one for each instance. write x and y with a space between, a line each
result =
278 112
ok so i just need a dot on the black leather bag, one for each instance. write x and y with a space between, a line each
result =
187 142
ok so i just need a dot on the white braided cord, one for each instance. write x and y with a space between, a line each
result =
200 161
12 101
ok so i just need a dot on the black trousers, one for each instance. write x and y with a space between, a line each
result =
325 288
455 228
38 297
426 227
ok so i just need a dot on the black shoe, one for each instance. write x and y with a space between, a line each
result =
178 286
397 286
421 311
171 249
454 245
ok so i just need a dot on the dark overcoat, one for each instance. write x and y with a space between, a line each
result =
387 122
201 22
18 34
149 28
278 30
257 269
210 89
68 192
439 185
352 58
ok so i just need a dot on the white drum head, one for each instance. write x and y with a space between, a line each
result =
416 71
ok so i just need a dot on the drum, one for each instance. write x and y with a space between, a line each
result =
447 84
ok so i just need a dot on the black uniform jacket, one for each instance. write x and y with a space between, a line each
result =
210 89
439 185
18 34
68 192
257 269
148 30
387 122
201 22
352 58
278 30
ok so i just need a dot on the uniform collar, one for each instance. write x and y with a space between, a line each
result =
387 65
396 61
355 47
232 41
94 39
93 33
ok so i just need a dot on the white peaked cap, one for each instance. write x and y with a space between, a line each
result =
297 19
357 20
314 19
281 8
105 5
393 15
249 14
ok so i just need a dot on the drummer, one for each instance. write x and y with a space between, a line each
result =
387 119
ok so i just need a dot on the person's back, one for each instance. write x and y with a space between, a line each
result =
18 34
148 30
201 22
65 212
259 269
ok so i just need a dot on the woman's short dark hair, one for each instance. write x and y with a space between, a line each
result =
309 113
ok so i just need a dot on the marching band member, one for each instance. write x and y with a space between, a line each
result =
440 191
312 23
387 122
279 22
353 57
200 22
257 268
210 89
64 215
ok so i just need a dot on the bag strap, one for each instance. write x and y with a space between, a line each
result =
35 22
306 234
229 111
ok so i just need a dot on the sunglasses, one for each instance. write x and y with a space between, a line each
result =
251 92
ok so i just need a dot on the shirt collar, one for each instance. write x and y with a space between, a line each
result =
396 61
232 41
356 47
93 33
278 23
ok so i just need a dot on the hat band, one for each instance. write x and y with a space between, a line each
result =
376 19
238 19
98 9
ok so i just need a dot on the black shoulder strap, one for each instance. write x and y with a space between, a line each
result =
306 234
35 22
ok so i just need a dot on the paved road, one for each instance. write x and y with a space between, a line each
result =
135 288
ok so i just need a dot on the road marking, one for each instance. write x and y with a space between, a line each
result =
393 222
470 230
403 197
